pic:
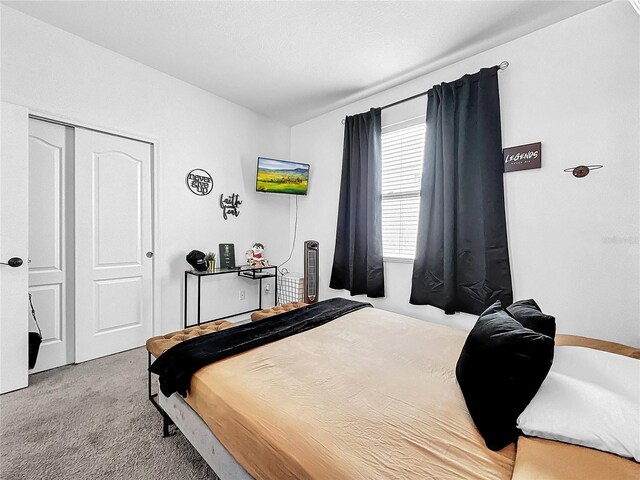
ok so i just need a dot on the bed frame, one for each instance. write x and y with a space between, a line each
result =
176 411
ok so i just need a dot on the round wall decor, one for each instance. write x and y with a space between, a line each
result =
199 181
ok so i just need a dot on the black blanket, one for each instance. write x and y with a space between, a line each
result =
177 365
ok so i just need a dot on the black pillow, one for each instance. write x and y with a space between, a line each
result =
528 313
500 369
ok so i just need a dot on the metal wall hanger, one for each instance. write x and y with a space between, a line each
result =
582 170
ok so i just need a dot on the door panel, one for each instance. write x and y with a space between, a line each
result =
48 299
14 241
119 304
50 267
118 209
113 233
45 196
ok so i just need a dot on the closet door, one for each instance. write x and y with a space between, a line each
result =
113 244
50 222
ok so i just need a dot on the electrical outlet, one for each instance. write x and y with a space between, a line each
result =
241 295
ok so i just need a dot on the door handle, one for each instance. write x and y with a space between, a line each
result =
13 262
149 254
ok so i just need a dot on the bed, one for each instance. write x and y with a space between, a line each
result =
371 394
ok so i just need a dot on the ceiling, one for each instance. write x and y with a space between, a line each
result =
292 61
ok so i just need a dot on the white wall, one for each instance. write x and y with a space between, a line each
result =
52 71
574 86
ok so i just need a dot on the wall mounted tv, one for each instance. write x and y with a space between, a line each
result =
279 176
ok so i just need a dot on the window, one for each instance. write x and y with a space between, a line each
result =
402 150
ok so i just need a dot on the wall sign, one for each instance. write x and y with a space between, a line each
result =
522 157
230 205
199 182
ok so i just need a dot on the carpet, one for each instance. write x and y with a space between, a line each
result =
92 421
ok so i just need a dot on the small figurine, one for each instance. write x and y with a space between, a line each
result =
254 256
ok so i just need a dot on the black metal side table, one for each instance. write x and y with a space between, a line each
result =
252 273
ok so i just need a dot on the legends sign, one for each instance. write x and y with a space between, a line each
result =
522 157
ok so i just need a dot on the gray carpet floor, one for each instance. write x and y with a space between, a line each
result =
92 421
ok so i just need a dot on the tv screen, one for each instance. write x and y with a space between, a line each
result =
279 176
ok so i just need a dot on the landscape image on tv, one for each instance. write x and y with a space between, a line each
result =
278 176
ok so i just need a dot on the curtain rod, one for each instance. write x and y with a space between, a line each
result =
503 66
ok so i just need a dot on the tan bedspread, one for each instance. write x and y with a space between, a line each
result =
617 348
371 395
540 459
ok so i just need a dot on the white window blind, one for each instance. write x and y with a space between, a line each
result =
402 150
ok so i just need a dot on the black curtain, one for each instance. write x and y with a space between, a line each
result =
462 259
357 261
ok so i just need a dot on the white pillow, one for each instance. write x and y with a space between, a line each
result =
589 398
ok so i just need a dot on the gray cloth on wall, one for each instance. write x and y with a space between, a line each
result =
462 258
357 261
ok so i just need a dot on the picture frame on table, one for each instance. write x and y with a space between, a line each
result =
227 257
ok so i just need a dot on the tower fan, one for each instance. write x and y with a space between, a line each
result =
311 250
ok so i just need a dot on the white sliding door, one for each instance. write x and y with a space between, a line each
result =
114 261
50 235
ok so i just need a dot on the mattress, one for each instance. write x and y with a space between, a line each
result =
372 394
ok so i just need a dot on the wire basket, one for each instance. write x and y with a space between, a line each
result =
290 288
